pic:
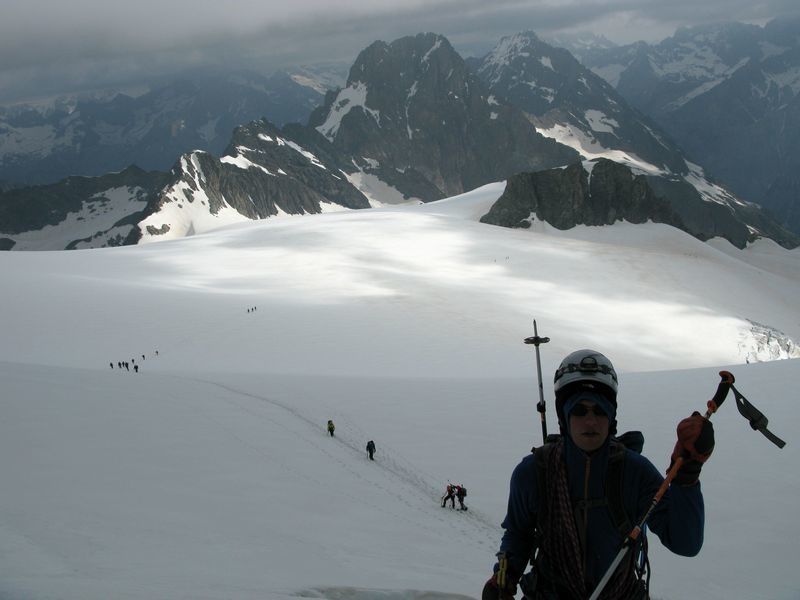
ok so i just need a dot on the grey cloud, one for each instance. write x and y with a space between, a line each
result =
107 42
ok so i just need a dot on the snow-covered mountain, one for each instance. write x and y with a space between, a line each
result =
79 212
559 93
209 474
93 135
730 95
662 77
266 171
413 124
576 107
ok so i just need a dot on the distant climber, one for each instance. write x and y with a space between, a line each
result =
449 495
371 449
331 427
461 493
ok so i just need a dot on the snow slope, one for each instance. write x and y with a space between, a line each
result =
209 474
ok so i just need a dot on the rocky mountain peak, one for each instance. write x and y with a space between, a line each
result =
388 81
529 72
407 56
415 116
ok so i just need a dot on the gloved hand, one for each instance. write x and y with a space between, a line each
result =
695 445
492 591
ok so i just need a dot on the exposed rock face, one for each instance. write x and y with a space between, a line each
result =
415 116
305 156
264 173
611 192
568 197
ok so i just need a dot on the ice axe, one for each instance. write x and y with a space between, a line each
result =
757 421
536 341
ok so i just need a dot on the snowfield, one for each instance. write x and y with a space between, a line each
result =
209 473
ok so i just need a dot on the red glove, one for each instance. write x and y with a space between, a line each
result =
492 591
695 445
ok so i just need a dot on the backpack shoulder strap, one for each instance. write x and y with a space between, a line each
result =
614 488
542 454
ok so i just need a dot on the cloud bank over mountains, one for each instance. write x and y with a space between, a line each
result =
91 43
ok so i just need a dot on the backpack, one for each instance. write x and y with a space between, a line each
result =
463 492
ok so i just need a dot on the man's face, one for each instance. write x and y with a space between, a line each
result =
588 426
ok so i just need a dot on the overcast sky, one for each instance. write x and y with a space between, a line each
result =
48 46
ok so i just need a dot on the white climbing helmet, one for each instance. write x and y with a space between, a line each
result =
587 366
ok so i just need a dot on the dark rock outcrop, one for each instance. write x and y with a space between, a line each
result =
611 192
568 197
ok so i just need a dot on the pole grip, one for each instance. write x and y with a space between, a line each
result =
726 381
502 572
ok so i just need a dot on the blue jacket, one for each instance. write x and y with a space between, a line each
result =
678 519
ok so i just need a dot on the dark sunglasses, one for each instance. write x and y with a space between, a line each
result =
581 410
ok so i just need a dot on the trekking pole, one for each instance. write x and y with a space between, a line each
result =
725 384
502 573
536 340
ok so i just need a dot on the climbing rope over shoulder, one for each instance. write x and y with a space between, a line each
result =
565 549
